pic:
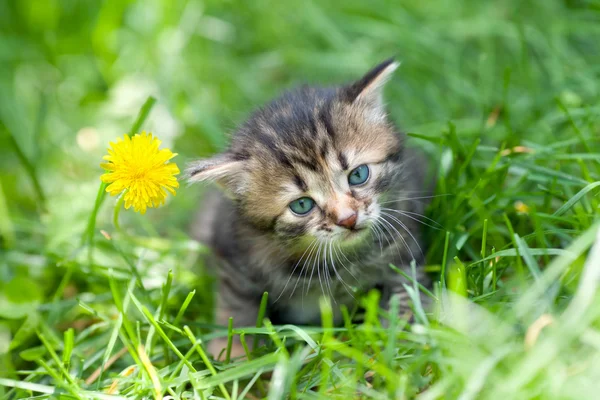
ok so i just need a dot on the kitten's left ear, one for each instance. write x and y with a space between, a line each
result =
224 169
370 87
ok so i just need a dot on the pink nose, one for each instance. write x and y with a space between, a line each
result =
348 222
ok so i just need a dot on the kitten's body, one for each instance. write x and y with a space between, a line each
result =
306 145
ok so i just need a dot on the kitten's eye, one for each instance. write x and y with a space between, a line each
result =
359 175
302 205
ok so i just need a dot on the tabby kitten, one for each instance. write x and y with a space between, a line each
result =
320 196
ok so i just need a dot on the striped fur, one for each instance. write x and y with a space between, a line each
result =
305 144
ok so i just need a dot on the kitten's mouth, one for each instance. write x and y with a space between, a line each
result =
354 233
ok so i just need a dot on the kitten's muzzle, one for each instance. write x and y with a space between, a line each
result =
348 222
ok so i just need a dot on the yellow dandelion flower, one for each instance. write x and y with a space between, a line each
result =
136 165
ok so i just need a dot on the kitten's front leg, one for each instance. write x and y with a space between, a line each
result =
235 300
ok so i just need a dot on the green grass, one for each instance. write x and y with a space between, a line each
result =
503 96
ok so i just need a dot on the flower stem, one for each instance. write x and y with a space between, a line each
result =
116 212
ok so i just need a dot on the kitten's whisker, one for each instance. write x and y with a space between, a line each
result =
409 214
375 230
310 246
309 261
422 216
339 247
332 252
403 226
344 284
312 267
381 228
318 265
416 191
381 233
399 234
412 213
416 198
382 219
407 231
325 269
328 272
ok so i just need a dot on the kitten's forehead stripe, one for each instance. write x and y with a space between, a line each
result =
300 183
324 149
325 117
307 163
283 158
343 161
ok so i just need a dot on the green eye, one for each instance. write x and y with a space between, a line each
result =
302 205
358 175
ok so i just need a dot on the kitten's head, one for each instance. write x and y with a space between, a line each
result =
313 164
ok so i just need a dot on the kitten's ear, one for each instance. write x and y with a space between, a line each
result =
223 169
370 87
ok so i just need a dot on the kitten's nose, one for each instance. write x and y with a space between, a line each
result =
348 221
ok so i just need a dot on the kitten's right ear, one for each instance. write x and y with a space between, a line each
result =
369 88
223 169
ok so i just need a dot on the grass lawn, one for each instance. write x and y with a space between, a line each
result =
504 97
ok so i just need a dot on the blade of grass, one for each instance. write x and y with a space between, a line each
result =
229 340
198 346
7 230
71 388
166 290
573 200
184 307
68 344
327 323
39 388
150 318
515 244
414 281
482 254
515 253
529 299
262 311
29 168
364 360
57 360
587 289
445 260
525 252
240 371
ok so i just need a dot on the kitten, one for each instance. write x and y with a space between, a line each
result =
320 196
